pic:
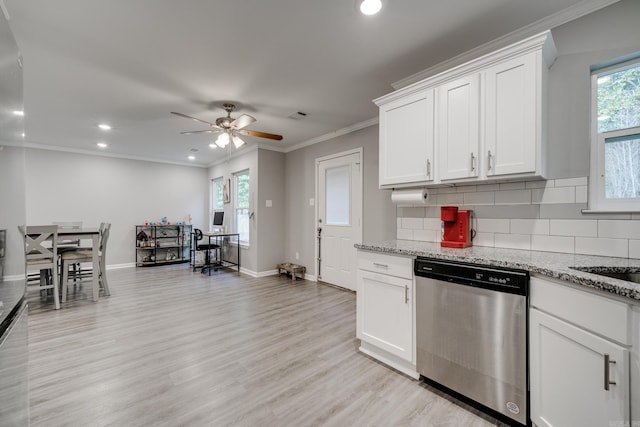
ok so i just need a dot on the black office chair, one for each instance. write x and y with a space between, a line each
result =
207 247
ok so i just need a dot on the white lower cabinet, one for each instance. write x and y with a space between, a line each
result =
385 309
578 376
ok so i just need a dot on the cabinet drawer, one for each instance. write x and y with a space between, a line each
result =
595 313
392 265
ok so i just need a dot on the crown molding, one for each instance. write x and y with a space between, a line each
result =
335 134
102 154
569 14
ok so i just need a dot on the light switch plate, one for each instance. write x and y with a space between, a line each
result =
312 202
269 203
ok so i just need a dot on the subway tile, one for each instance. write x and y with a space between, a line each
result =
433 212
571 182
426 235
398 223
467 189
484 239
619 229
479 198
447 190
582 195
513 241
553 195
634 249
413 223
562 211
491 225
433 224
603 247
574 227
530 226
513 197
538 184
488 187
553 244
407 212
508 211
450 199
404 234
505 186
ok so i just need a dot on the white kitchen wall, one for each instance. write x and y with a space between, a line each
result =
533 215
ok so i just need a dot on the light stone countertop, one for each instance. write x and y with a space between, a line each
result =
549 264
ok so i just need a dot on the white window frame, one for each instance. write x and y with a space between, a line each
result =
236 206
214 206
597 200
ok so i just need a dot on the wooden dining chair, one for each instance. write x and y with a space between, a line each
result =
41 254
80 255
63 244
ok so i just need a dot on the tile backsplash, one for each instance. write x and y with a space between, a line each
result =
543 215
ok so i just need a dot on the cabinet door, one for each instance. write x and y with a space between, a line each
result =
458 128
406 140
384 313
512 119
568 371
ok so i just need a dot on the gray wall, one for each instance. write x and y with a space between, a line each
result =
12 208
271 224
609 33
379 214
64 186
244 161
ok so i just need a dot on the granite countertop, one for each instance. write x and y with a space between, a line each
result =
549 264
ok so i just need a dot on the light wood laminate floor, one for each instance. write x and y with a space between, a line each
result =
171 347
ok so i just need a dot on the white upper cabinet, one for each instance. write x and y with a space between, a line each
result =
512 116
406 139
489 116
459 128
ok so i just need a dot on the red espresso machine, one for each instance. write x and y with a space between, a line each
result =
456 227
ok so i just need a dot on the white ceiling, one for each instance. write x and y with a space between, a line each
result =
130 62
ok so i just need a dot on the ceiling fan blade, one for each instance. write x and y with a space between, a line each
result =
193 118
260 134
242 121
201 131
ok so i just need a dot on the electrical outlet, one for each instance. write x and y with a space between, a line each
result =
297 255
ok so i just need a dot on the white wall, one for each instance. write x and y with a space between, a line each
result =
68 187
271 224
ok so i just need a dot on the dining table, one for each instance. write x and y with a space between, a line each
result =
87 233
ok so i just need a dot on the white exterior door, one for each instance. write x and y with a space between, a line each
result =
339 183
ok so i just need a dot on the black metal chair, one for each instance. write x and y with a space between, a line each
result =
207 248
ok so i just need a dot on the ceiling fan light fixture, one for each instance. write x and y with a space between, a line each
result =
370 7
237 141
222 140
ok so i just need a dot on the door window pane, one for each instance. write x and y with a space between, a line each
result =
622 167
337 187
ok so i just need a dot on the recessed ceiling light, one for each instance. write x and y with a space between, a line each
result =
191 157
18 112
102 144
23 134
104 126
370 7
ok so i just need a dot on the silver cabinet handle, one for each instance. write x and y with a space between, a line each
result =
375 264
406 294
607 366
490 156
428 168
473 162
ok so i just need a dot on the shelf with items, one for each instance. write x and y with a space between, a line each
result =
162 244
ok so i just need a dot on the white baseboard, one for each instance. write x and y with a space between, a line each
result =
119 266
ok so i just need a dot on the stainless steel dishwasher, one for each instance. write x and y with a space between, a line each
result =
471 326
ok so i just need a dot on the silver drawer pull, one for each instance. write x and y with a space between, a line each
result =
406 294
428 168
473 163
376 264
607 368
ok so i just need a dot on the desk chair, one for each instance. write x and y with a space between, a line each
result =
207 247
41 254
80 255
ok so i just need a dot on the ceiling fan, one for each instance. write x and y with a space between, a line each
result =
229 128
